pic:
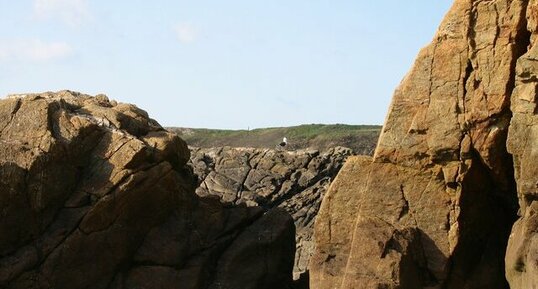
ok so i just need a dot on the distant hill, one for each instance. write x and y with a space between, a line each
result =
362 139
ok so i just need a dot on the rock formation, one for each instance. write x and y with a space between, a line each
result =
522 252
435 206
292 180
94 194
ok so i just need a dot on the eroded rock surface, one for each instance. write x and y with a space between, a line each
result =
292 180
435 206
95 194
522 252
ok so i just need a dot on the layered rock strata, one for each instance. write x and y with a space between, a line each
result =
95 194
292 180
435 206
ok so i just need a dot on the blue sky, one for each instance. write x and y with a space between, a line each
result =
220 64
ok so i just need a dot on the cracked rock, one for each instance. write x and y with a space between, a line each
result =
95 194
292 180
440 191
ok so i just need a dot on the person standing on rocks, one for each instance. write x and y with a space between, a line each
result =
282 145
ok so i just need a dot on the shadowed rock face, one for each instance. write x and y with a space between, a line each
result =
292 180
435 206
522 252
94 194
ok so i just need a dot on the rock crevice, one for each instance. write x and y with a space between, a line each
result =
442 158
292 180
95 194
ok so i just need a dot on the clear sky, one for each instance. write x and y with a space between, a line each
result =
220 64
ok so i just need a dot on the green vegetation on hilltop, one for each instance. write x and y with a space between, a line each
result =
361 138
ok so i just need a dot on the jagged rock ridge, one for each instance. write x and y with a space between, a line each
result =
293 180
435 206
95 194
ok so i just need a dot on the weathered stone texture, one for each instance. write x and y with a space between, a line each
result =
522 251
435 206
292 180
95 194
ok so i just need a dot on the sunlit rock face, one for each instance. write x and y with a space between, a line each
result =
435 206
95 194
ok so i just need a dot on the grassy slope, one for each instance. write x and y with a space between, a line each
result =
361 138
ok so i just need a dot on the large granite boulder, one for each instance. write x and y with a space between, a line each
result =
95 194
292 180
435 206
